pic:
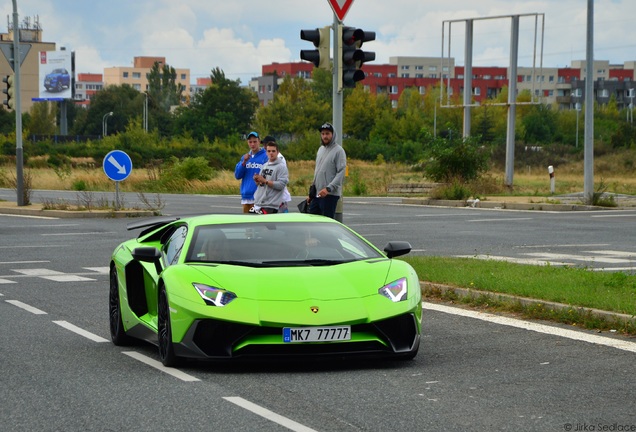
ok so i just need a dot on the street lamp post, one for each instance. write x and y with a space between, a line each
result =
145 121
435 117
105 123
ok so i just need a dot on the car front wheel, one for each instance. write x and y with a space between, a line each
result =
166 348
117 333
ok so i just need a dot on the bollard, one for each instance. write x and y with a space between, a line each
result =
551 172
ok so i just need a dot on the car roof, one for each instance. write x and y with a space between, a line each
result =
210 219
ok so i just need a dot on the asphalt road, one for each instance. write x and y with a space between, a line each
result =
59 371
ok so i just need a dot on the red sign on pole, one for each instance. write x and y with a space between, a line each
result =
340 7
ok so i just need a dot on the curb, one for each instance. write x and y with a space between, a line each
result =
434 288
8 208
504 205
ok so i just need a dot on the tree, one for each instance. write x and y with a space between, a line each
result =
163 90
223 109
43 119
359 114
293 110
122 100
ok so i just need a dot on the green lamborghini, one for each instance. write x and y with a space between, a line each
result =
240 286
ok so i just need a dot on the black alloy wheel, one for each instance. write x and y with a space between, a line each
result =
166 348
117 333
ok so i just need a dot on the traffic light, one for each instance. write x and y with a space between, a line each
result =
9 91
320 38
351 56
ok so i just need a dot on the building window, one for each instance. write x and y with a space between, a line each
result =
125 74
422 90
419 67
136 75
477 91
528 78
432 68
393 90
377 74
137 87
432 75
419 75
404 67
551 78
183 76
487 77
604 93
391 75
460 76
445 69
404 75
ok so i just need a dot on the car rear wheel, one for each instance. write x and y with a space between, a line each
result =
117 333
166 348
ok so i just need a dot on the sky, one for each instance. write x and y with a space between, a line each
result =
239 36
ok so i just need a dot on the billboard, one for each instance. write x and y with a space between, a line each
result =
55 76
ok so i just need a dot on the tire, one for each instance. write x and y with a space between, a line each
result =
164 331
117 332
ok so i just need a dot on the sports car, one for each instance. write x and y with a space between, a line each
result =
256 286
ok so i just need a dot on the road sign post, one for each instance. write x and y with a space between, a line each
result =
117 166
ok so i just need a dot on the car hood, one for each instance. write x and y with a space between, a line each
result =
333 282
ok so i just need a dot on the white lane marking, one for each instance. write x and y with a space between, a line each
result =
614 215
375 224
41 226
157 365
68 326
38 272
6 281
52 275
28 216
531 261
100 270
33 246
26 307
556 256
81 233
498 220
23 262
269 415
562 245
67 278
539 328
615 253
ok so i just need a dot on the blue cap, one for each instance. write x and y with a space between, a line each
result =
252 134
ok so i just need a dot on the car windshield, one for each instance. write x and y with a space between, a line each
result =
278 244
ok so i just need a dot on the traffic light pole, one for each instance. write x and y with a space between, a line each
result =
337 93
18 108
337 102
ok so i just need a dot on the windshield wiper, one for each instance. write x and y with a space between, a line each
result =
307 262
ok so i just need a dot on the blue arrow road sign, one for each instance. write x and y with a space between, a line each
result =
117 165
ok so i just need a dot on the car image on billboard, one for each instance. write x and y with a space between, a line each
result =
57 80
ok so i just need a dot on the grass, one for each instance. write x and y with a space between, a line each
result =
576 287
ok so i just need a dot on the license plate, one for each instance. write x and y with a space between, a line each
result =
316 334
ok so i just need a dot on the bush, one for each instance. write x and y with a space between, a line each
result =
459 159
188 169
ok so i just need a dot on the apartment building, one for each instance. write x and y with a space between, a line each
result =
136 75
30 34
86 85
560 87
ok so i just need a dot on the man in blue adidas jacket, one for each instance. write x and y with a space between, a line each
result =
250 164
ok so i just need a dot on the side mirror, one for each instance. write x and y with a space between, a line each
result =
397 248
148 254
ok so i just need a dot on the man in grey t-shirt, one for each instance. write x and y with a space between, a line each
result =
271 182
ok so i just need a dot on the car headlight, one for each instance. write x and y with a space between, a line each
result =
214 296
395 291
